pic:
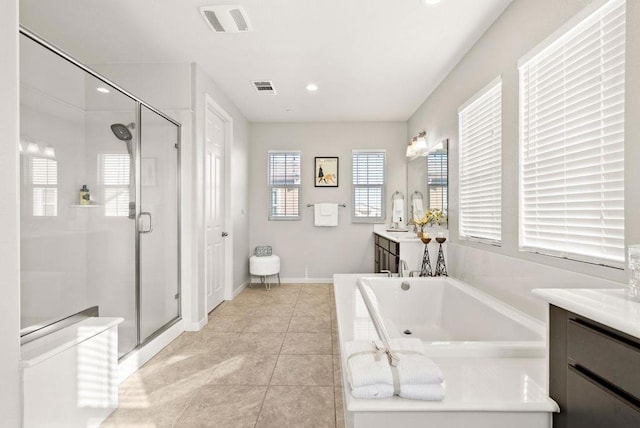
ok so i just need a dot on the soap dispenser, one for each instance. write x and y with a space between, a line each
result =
85 196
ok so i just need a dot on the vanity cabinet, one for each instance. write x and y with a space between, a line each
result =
594 373
387 254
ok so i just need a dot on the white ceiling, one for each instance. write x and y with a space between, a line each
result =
374 60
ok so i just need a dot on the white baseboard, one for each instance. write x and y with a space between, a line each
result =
136 359
195 326
297 280
239 289
307 280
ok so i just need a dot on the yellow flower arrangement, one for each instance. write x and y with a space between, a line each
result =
434 216
431 217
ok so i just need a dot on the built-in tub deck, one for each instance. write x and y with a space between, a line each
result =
492 358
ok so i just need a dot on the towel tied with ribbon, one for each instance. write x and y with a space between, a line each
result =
378 371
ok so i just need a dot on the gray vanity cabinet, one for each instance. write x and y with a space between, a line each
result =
594 373
386 254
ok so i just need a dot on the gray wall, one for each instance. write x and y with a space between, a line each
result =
522 26
315 253
10 409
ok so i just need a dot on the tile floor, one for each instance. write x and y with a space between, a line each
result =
265 359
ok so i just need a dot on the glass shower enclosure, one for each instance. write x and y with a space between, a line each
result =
99 200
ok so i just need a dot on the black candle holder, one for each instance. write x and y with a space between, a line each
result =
425 269
441 267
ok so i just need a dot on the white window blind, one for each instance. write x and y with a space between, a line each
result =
44 180
480 197
115 179
572 142
284 185
368 169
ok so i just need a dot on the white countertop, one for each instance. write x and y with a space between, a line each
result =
409 236
39 350
610 307
398 236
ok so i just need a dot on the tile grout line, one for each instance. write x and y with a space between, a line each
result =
273 371
188 404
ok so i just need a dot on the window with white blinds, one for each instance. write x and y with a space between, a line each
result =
572 142
368 171
480 194
115 181
44 181
284 185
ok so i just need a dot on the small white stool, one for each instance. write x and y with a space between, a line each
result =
263 267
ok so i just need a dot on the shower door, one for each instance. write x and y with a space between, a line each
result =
116 250
158 223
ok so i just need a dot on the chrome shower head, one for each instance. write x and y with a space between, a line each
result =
122 131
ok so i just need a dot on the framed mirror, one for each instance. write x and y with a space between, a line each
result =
430 176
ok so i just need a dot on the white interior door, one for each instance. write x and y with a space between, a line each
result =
214 209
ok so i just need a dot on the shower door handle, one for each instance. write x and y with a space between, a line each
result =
148 214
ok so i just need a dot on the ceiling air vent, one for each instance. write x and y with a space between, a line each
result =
264 86
226 19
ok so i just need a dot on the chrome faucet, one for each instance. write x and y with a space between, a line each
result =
402 268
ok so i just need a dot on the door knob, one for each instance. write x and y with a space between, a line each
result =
224 234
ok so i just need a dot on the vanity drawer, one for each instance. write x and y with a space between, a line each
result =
594 406
383 242
612 357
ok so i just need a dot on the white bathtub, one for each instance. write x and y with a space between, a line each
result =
452 318
492 356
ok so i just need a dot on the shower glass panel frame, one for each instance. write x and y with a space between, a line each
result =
159 295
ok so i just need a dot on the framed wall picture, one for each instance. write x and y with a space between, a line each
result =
326 172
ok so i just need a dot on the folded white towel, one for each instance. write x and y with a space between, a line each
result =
433 392
415 369
398 210
325 214
326 209
379 390
371 376
366 366
418 209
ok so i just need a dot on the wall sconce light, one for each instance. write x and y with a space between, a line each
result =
49 152
411 148
33 148
418 145
29 147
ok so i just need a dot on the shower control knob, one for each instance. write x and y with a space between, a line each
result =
224 234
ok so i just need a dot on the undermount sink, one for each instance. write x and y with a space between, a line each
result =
401 235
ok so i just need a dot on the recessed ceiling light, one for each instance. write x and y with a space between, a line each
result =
102 90
431 2
312 87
